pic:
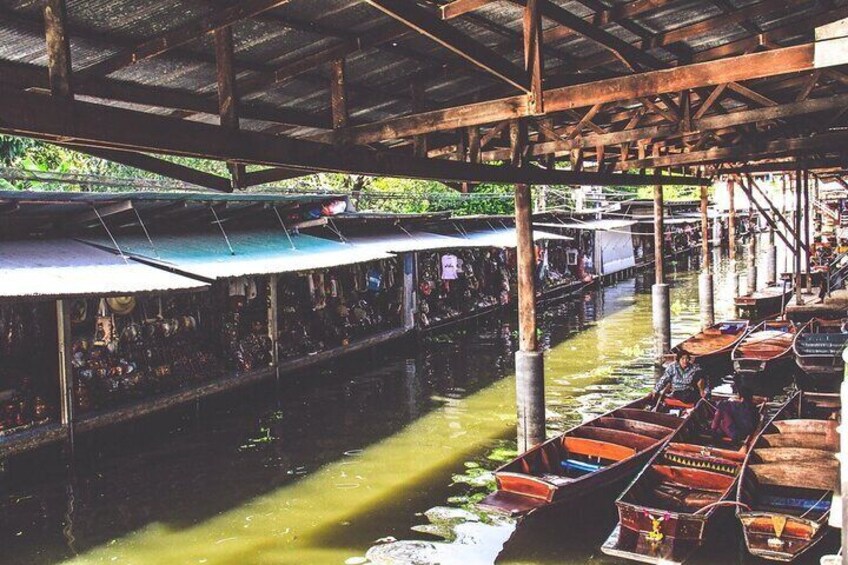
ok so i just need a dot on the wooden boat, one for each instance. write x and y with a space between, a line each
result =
584 459
664 513
818 347
763 303
711 347
766 348
781 520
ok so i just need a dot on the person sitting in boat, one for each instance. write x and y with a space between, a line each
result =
682 380
736 417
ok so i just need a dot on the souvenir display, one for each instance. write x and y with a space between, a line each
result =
137 347
28 391
330 308
244 325
453 283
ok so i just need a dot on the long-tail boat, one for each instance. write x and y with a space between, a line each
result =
664 513
766 350
606 450
763 303
787 480
712 346
818 347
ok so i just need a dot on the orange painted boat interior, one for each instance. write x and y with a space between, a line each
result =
768 341
714 339
584 450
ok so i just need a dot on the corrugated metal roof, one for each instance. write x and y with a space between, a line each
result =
64 267
256 252
604 224
502 237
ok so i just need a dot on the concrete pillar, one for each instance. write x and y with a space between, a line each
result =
661 306
705 296
529 363
771 264
530 398
807 236
843 467
409 295
751 266
661 320
799 300
66 370
731 220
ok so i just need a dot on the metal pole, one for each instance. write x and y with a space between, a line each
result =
529 363
799 300
66 374
659 292
705 281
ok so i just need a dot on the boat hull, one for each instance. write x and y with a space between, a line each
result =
798 535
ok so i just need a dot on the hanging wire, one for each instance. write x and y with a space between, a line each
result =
223 231
146 233
283 224
112 237
331 225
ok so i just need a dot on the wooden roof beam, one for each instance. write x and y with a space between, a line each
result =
734 69
429 25
93 125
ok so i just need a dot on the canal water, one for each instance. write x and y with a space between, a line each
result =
378 459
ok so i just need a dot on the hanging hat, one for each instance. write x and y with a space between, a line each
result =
121 305
79 311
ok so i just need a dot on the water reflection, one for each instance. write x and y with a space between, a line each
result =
395 445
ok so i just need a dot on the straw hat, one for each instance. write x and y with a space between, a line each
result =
121 305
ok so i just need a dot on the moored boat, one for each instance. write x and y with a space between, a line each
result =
787 480
606 450
664 513
818 347
764 354
711 347
763 303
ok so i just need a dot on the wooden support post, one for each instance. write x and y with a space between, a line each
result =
784 183
472 142
410 297
273 321
66 370
731 220
807 236
338 94
661 306
705 282
419 142
799 300
843 453
58 48
533 61
228 102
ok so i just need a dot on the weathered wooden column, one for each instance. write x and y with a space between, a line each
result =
272 320
843 463
807 236
529 362
705 281
409 295
661 306
228 98
799 300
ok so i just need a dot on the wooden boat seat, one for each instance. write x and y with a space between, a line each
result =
821 474
805 426
693 478
702 457
627 439
660 418
786 454
684 499
813 441
644 428
594 448
675 403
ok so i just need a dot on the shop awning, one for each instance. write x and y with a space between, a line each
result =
674 221
67 268
501 237
255 252
403 242
603 224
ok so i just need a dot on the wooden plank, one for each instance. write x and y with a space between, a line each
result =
533 61
460 7
58 48
821 474
733 69
429 25
597 448
178 36
338 94
274 174
94 125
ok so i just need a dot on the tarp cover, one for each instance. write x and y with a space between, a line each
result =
594 225
614 251
64 267
501 237
404 242
255 252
